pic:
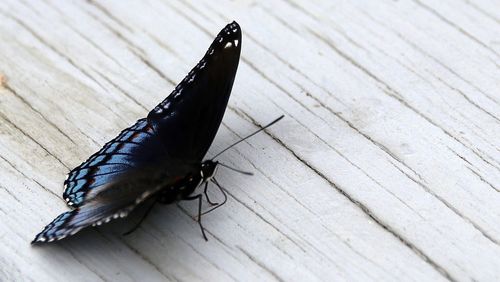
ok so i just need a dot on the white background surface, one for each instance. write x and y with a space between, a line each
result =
386 167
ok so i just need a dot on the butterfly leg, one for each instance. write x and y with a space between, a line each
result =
198 197
142 218
206 196
223 193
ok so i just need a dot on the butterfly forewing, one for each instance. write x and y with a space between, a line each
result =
188 119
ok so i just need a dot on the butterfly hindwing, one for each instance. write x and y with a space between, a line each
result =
116 198
132 148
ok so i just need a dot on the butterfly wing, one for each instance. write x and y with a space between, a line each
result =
116 198
189 118
134 147
183 126
70 222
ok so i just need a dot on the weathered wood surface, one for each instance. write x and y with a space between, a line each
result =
386 167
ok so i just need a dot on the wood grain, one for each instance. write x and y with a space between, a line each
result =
386 167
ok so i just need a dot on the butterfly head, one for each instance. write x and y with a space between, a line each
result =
208 169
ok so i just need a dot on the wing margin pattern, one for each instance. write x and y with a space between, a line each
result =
133 147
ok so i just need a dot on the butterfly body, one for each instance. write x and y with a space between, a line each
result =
159 158
184 188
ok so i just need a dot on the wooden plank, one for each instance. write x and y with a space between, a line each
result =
386 166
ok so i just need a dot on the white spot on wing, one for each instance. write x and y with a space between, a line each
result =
74 231
228 45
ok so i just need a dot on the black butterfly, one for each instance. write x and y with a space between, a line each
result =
159 158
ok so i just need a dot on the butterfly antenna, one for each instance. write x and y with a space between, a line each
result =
245 138
235 169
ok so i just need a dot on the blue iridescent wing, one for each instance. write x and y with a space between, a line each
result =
115 199
134 147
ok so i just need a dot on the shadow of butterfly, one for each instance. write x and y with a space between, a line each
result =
159 158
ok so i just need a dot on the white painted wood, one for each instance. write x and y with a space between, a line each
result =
386 167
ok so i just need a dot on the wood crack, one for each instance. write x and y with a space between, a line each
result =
62 55
33 140
345 242
429 56
365 209
482 11
5 188
482 179
380 146
460 29
260 264
453 209
39 113
75 257
128 95
266 221
25 176
146 259
109 15
132 48
389 91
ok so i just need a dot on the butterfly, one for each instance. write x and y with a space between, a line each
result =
159 158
